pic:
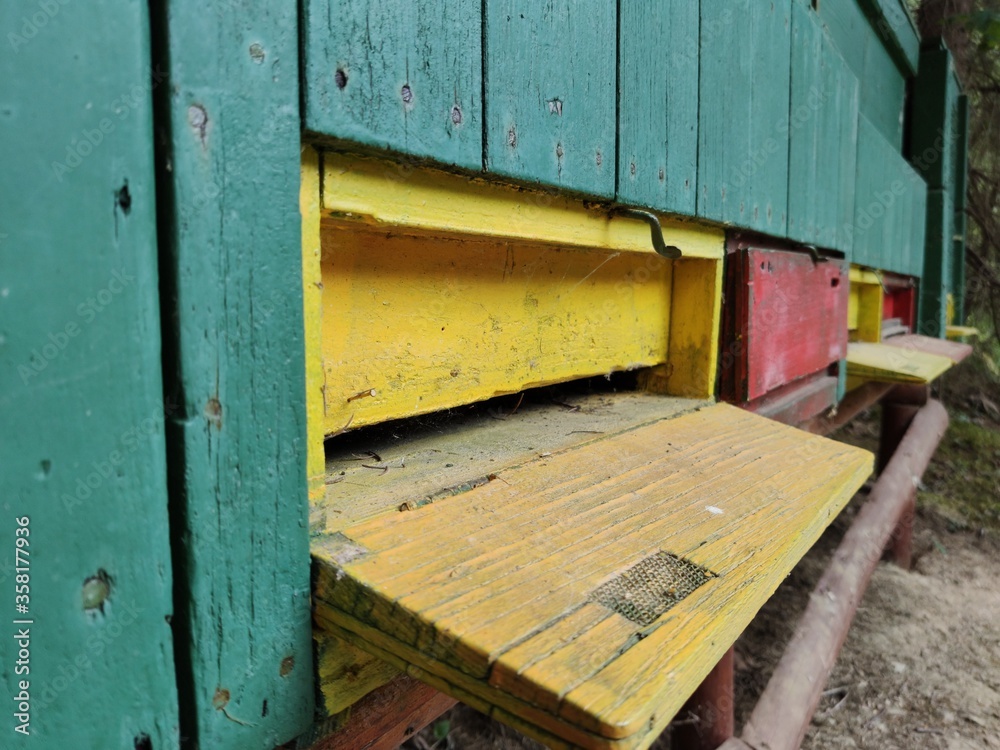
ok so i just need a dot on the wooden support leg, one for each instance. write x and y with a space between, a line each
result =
896 419
712 704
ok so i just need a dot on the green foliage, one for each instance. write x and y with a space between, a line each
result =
986 23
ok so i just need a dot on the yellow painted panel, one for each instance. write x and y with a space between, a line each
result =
492 590
864 306
390 195
313 313
345 673
893 364
695 319
415 324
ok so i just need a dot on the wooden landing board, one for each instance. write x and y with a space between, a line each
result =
953 350
961 332
582 596
893 364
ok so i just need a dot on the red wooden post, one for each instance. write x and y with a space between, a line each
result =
896 420
712 704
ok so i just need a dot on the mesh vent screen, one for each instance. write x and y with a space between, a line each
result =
650 587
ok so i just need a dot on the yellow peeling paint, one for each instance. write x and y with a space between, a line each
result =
309 207
395 196
418 324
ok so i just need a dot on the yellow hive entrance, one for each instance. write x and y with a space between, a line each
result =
579 591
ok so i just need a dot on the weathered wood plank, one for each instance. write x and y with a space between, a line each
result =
824 137
444 323
883 93
893 364
406 77
743 126
896 31
81 397
401 199
658 104
513 558
550 93
789 294
888 206
231 250
447 456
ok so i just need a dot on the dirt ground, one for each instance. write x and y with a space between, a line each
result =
921 665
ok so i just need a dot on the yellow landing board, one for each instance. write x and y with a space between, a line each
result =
893 364
582 596
961 332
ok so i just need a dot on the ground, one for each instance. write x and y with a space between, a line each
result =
921 665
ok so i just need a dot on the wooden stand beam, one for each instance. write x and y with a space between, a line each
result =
782 715
712 704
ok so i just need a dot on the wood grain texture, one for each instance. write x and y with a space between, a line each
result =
892 364
953 350
823 131
405 77
896 30
345 674
456 453
232 253
81 396
883 93
889 206
510 562
743 126
787 293
550 93
383 719
400 198
856 35
658 104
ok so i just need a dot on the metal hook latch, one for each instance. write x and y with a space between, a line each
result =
655 231
815 255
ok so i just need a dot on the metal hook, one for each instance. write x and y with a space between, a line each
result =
814 254
655 231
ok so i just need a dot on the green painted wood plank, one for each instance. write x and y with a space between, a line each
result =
743 128
550 93
933 130
936 279
959 200
888 204
81 397
883 93
230 242
848 28
400 76
883 83
896 30
658 104
824 139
